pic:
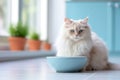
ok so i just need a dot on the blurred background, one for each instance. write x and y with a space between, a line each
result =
46 17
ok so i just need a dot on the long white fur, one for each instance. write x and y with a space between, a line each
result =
90 45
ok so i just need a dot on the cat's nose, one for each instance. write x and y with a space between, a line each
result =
76 35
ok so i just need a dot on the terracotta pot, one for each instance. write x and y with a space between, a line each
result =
34 45
46 46
17 43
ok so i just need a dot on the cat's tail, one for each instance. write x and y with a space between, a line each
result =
113 66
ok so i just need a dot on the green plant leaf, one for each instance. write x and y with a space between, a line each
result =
19 30
34 36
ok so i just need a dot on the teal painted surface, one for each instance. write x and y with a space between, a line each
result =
98 13
117 28
110 24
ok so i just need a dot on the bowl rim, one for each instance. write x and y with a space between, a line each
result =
67 57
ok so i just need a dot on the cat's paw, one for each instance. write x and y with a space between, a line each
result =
87 68
93 69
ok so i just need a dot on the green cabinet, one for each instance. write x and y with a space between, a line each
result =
104 18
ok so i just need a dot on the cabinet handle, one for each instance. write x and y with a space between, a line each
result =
109 4
117 5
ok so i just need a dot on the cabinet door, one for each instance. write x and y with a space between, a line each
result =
98 13
117 25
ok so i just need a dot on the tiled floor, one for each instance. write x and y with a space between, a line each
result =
38 69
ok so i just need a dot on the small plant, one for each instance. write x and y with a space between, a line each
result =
19 30
46 45
18 34
34 42
47 40
34 36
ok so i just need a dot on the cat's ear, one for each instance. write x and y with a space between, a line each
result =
67 21
85 20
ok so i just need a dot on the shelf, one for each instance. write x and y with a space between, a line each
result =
18 55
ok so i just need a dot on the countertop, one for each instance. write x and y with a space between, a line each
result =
38 69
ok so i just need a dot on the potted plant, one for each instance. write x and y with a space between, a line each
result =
18 34
46 45
34 42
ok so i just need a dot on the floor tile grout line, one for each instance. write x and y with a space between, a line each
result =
89 76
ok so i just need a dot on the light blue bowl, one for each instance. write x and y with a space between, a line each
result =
67 64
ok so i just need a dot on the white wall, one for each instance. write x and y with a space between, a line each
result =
56 15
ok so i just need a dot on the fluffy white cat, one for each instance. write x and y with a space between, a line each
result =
76 39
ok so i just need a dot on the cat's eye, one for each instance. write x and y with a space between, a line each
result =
80 31
72 31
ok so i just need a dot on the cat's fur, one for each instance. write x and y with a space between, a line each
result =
76 39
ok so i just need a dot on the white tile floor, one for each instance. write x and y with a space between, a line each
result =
38 69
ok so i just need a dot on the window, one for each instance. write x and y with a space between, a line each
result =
32 12
4 16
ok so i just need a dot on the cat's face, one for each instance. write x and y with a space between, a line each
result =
76 30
